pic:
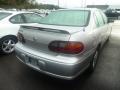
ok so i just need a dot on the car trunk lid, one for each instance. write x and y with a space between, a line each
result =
39 38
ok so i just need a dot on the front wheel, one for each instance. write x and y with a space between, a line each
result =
7 45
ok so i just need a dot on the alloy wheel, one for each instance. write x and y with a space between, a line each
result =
95 59
8 46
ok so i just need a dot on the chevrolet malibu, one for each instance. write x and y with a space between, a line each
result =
65 43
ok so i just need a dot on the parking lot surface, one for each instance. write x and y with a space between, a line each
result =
14 75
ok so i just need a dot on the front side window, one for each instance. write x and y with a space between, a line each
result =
4 15
17 19
32 18
67 18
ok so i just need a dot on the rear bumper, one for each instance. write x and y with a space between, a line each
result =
56 69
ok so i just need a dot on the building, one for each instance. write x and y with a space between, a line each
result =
102 7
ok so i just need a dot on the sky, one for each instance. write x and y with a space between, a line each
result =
79 3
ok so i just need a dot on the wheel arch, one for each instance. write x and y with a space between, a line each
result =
99 46
8 36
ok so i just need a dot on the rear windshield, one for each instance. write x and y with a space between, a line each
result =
4 15
67 18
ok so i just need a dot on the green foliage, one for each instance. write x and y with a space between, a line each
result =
46 6
13 3
25 4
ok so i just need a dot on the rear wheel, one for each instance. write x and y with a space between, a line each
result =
94 60
108 39
7 45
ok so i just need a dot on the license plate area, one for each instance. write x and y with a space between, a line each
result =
39 64
31 61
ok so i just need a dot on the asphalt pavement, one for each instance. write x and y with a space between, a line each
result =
14 75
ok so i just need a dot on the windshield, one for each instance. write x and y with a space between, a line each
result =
67 18
4 15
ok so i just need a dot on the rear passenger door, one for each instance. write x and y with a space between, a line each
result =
101 26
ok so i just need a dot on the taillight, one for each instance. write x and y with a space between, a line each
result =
20 37
67 47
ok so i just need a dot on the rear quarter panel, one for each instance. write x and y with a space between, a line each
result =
8 29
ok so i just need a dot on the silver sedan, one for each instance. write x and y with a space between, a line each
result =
64 43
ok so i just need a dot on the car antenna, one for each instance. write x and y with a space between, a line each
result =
84 5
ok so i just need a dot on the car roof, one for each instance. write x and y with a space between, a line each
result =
90 9
15 12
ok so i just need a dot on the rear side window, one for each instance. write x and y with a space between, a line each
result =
96 21
17 19
32 18
99 18
4 15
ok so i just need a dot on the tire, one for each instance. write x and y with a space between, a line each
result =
94 60
7 44
108 39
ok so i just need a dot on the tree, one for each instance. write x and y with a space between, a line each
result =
25 4
15 3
